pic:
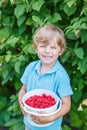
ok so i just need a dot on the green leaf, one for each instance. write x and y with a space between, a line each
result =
36 19
17 85
65 127
22 28
69 10
6 21
8 57
71 2
56 17
12 41
84 10
29 21
77 95
82 66
29 49
21 19
15 124
74 62
21 58
81 85
55 1
0 14
84 36
83 26
3 102
37 5
75 120
19 10
85 127
4 33
5 73
70 35
79 52
17 1
17 66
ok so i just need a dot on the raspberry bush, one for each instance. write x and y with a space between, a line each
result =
18 21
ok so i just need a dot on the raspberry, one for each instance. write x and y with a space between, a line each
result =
40 101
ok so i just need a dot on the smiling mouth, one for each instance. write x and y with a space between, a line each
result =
47 56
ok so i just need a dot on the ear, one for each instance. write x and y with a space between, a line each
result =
36 50
61 52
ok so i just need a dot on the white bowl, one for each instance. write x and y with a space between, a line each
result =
30 121
40 92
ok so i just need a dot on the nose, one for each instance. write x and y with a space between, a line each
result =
47 49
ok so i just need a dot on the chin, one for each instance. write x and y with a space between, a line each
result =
45 62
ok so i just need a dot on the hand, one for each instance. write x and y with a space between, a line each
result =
41 119
20 96
22 106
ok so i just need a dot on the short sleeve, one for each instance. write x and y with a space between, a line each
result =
64 87
24 78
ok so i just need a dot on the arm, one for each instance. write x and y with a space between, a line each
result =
20 95
66 104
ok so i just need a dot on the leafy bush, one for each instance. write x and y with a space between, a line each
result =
18 21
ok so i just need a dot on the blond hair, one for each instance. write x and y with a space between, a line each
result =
48 34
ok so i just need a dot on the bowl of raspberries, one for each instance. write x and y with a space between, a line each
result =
41 101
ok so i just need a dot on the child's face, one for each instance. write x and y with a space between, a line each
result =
48 53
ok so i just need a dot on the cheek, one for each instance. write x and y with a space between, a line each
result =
56 53
39 52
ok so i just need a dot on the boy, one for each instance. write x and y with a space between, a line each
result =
47 73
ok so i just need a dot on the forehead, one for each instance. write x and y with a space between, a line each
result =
49 43
48 34
48 38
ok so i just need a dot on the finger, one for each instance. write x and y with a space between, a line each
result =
24 113
35 119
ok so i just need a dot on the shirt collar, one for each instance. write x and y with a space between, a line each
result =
53 69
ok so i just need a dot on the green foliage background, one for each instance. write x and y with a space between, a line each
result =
18 21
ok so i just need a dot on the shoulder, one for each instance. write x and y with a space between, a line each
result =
61 71
32 64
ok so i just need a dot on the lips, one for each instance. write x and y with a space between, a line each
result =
47 56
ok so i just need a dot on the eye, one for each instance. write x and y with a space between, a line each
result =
53 47
42 46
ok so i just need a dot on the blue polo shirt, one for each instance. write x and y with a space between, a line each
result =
56 80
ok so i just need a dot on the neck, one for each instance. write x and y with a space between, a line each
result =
45 68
